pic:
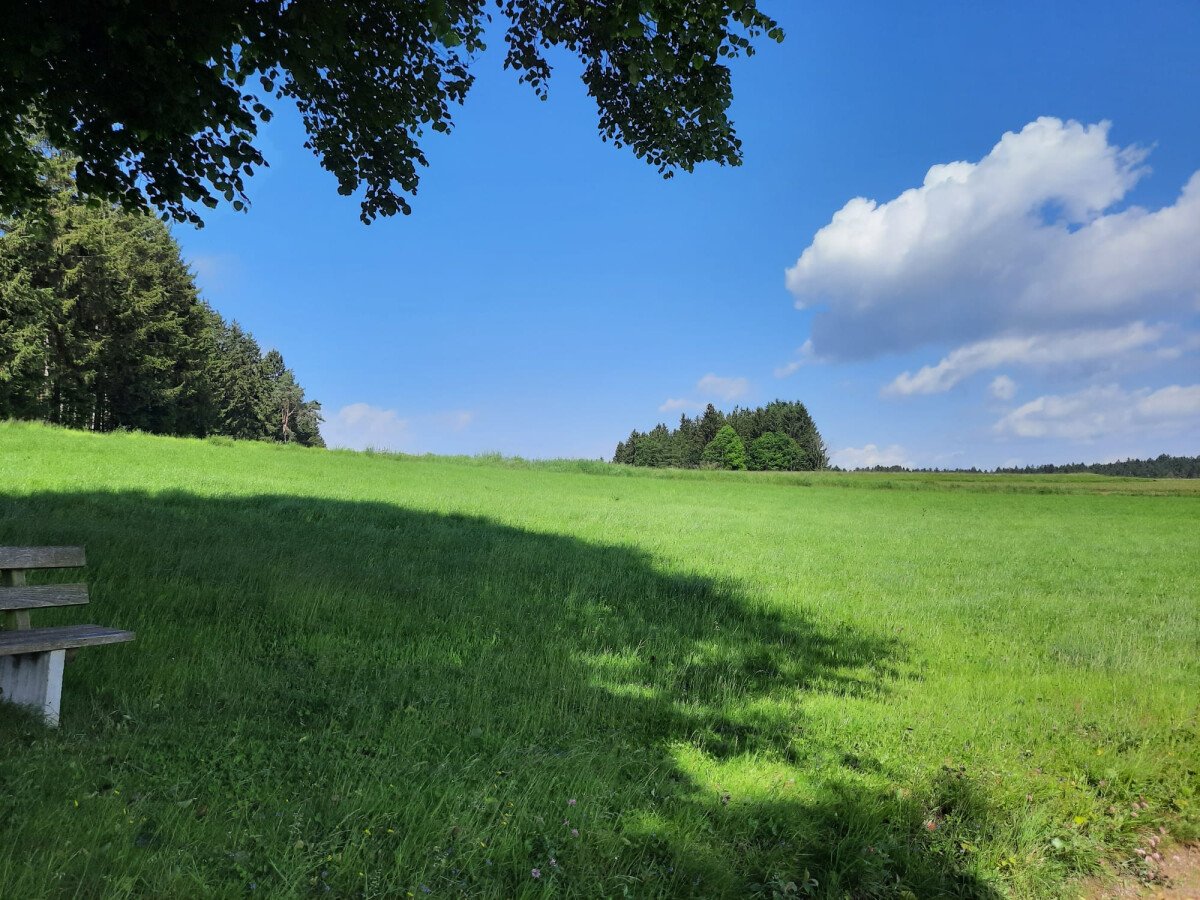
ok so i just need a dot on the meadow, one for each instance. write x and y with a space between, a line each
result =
369 675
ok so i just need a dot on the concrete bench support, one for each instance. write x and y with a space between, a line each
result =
34 679
32 659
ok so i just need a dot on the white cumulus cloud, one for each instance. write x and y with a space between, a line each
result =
869 455
1028 239
1099 412
1043 350
359 426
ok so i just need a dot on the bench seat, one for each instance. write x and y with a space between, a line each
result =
65 637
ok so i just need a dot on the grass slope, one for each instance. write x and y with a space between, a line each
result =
375 676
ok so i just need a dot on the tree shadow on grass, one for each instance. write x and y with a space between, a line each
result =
357 699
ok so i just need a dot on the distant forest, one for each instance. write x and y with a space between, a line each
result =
102 327
1163 466
780 436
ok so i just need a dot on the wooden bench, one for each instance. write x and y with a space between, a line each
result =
32 659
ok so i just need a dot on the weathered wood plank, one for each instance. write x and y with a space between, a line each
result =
15 620
36 596
41 640
41 557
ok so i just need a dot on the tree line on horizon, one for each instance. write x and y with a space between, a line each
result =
780 436
1162 466
102 327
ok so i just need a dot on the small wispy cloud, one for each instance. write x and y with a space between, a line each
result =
677 404
805 355
455 420
214 271
1103 411
711 387
359 426
869 455
1003 388
1040 350
715 386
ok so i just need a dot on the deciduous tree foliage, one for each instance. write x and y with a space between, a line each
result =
161 99
101 327
725 450
780 435
775 452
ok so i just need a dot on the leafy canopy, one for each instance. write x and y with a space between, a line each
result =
775 452
726 450
161 99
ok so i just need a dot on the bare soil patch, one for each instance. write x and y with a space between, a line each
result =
1180 880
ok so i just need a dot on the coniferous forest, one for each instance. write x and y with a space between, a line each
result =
780 436
102 327
1161 466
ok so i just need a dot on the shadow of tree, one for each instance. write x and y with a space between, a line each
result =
360 699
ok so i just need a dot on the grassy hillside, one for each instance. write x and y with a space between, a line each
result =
377 676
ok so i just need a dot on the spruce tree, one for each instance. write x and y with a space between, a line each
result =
710 423
685 445
102 327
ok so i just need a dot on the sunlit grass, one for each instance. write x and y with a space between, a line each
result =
374 675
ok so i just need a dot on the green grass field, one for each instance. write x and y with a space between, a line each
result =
378 676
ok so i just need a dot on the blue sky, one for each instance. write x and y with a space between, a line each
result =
1038 301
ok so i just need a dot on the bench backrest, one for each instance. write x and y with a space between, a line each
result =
41 557
17 597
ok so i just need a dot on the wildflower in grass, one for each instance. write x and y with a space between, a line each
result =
536 873
930 825
574 832
571 802
553 863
